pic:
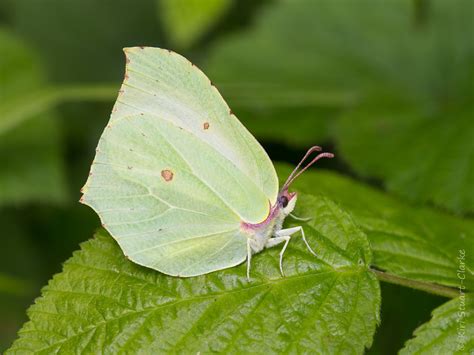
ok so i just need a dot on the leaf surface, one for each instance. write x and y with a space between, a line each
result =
417 243
102 302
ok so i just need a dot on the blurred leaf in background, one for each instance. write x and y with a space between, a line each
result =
187 21
404 83
22 273
267 73
31 172
32 167
82 41
419 137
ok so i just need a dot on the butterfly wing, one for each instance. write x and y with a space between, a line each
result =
175 172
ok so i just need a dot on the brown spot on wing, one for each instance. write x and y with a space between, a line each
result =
167 175
206 125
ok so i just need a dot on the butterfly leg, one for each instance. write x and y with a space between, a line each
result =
291 231
302 219
285 235
278 240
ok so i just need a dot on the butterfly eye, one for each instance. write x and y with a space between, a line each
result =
284 201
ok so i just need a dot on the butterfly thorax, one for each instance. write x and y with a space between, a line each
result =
259 233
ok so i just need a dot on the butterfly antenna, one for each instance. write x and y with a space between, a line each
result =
310 151
295 173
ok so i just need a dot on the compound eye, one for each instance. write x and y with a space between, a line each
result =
284 201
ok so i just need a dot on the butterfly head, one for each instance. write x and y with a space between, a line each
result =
287 201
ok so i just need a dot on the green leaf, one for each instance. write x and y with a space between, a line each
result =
416 243
406 88
270 74
187 21
422 156
450 331
30 152
101 302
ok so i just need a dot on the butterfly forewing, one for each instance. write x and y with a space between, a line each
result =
175 172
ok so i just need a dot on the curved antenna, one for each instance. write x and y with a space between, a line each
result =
295 173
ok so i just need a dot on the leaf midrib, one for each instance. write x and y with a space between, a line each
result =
321 303
353 312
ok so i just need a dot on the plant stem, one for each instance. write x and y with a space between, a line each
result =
91 92
435 289
34 103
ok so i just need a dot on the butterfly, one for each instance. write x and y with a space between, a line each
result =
181 185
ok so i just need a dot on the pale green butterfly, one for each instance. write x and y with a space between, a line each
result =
178 181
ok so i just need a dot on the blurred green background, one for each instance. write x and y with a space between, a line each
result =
386 85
